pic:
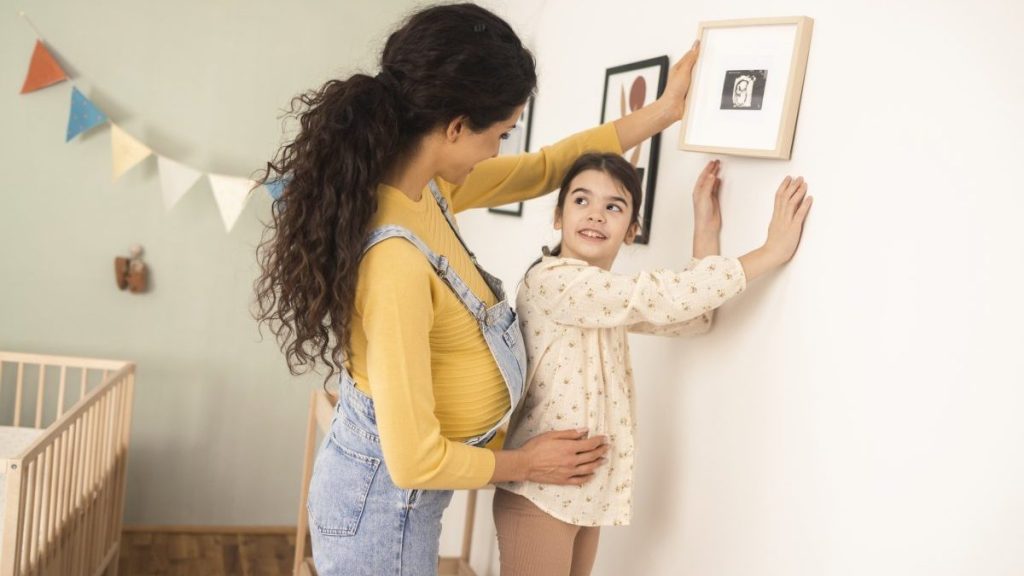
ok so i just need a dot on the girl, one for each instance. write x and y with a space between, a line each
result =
363 269
575 315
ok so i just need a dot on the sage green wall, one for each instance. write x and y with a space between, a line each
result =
218 423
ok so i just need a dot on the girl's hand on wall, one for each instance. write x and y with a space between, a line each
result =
679 76
563 457
707 213
791 206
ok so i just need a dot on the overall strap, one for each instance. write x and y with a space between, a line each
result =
492 281
443 204
440 264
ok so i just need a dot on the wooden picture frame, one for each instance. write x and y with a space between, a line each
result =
518 142
628 88
747 84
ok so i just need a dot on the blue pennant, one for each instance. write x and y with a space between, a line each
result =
84 115
276 188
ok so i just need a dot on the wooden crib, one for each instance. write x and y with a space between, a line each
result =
67 423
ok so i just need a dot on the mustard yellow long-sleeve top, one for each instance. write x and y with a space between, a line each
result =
416 350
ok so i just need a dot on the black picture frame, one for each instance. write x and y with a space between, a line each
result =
518 142
646 153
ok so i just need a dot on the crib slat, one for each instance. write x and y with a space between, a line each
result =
58 509
60 393
76 492
58 469
44 510
18 385
25 531
108 471
91 484
40 395
15 491
37 511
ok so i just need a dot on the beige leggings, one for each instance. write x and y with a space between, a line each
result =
531 542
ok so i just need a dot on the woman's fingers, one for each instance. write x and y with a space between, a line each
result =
570 434
589 468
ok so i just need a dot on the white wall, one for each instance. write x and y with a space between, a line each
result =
219 423
854 414
857 413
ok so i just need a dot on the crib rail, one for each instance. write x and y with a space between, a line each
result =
65 492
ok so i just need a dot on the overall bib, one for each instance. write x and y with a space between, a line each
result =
360 522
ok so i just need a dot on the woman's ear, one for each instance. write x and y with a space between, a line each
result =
455 128
558 218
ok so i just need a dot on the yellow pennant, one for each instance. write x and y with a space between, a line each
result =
125 150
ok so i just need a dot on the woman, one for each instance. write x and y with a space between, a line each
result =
364 270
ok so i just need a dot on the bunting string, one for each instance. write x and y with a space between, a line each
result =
230 193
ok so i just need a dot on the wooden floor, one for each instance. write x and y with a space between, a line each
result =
205 554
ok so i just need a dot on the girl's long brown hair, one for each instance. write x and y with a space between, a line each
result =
444 62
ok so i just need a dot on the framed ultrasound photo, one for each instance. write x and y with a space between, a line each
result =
745 95
517 142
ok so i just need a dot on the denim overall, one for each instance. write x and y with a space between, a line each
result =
360 522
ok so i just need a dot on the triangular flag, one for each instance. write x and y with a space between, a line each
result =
175 180
84 115
276 188
43 71
125 150
231 194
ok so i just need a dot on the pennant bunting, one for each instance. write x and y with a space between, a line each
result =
126 151
84 115
175 180
276 188
231 194
43 70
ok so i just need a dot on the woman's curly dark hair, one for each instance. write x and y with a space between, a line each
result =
444 62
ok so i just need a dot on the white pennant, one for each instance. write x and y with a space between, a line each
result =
231 194
175 180
125 150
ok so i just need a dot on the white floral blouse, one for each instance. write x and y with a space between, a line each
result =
574 319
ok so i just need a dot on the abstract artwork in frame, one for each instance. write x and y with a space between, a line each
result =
628 88
518 142
746 89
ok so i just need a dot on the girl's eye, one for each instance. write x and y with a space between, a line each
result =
579 201
506 135
615 208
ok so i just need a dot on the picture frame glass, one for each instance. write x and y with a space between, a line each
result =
740 87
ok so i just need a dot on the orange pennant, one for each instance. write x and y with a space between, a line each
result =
43 71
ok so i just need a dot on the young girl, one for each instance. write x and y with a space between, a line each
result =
575 314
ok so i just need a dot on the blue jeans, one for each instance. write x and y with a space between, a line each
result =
360 522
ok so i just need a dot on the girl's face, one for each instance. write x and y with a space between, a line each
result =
466 148
595 219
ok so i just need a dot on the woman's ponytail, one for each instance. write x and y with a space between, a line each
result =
349 134
445 62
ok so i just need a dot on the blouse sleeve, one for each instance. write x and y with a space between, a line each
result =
693 326
504 179
573 293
